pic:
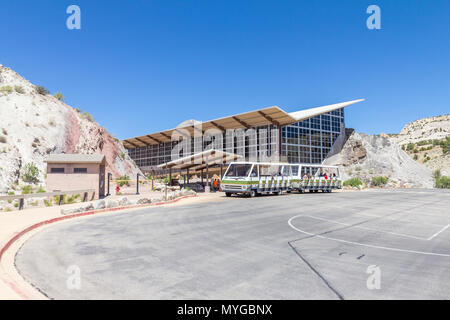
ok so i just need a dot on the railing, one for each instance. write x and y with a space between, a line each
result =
59 194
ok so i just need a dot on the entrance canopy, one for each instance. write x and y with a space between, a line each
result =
201 160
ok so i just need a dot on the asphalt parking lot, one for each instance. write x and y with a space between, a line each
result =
380 244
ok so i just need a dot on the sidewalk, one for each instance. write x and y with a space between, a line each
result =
12 285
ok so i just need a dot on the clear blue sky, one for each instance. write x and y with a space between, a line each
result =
144 66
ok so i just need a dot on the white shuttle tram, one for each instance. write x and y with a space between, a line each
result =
255 178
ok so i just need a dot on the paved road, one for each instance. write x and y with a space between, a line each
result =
310 246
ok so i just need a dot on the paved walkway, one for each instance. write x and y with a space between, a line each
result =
12 285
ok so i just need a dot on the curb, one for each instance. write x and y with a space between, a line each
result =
14 286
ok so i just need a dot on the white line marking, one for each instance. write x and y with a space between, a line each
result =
363 244
437 233
366 228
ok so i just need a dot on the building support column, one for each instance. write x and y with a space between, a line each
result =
207 187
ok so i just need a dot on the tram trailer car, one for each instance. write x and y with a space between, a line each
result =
255 178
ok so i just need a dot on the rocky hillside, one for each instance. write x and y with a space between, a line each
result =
427 141
34 124
368 156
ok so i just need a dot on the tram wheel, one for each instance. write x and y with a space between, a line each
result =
228 194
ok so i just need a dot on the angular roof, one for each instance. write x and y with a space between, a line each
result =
265 116
75 158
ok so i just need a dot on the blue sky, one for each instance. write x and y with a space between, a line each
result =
144 66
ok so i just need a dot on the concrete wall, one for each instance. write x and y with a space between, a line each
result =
69 181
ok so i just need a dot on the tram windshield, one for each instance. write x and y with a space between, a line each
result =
238 170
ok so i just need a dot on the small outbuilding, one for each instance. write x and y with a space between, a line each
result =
68 172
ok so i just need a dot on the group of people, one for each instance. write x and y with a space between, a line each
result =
325 175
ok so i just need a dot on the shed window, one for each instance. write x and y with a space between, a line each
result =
80 170
57 170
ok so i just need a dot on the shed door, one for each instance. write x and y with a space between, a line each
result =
101 187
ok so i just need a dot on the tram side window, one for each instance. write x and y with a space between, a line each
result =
286 170
269 170
294 170
305 171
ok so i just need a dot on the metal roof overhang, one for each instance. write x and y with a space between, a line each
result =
271 115
261 117
200 160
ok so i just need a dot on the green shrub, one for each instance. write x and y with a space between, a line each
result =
48 203
379 181
410 146
87 116
41 90
59 96
6 89
40 190
27 189
416 157
353 182
442 182
7 209
124 180
19 89
30 173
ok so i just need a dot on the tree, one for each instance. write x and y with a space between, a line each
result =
59 96
41 90
30 173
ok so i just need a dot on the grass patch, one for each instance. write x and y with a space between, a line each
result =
19 89
379 181
353 182
6 89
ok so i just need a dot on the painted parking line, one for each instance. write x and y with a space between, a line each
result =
367 228
363 244
439 232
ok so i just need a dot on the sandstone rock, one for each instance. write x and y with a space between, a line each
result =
87 207
124 202
112 204
144 201
100 204
68 211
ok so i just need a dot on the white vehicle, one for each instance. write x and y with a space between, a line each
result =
254 178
